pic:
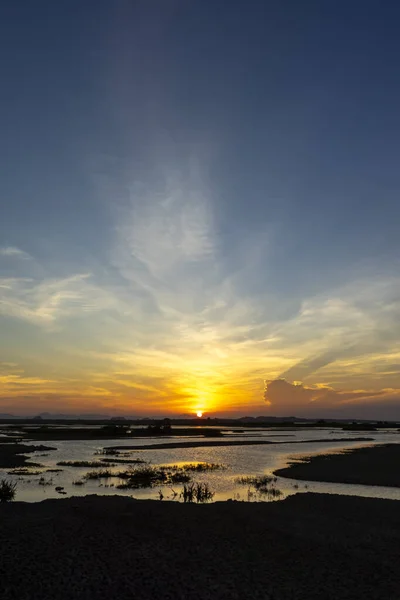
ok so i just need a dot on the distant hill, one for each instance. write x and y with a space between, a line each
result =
55 416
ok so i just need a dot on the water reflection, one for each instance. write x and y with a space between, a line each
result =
240 461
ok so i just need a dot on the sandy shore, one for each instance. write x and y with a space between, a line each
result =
307 547
373 465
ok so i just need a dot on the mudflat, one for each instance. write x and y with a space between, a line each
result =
372 465
211 443
309 546
13 455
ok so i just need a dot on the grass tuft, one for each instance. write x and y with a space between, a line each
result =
197 492
7 490
103 474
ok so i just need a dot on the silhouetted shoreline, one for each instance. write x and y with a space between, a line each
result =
309 546
13 454
373 465
211 443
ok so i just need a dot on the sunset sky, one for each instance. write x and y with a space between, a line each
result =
200 207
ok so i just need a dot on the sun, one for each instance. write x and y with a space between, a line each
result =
199 413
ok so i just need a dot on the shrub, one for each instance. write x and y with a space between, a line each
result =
147 477
7 490
179 477
143 477
103 474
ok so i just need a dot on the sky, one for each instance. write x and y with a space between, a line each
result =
200 208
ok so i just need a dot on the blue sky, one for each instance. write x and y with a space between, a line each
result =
200 207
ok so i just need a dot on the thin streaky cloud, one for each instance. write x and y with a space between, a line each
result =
14 252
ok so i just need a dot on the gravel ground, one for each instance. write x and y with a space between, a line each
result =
308 546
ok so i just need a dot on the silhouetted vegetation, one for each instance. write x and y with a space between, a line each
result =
258 482
108 451
359 427
24 472
147 477
196 467
45 482
264 486
125 461
197 492
143 477
178 477
102 474
81 463
114 431
7 490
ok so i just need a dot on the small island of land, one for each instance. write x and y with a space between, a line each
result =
372 465
213 443
12 455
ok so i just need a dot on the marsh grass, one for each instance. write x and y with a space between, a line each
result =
143 477
271 492
148 476
264 487
195 467
199 492
8 490
23 471
261 481
90 464
103 474
179 477
45 482
124 461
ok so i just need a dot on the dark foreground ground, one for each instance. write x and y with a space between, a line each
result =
308 546
374 465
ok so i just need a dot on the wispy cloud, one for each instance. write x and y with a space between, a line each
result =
166 241
13 252
49 300
174 324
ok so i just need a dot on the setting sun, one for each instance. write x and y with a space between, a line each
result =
199 414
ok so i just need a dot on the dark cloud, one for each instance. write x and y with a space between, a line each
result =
281 394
